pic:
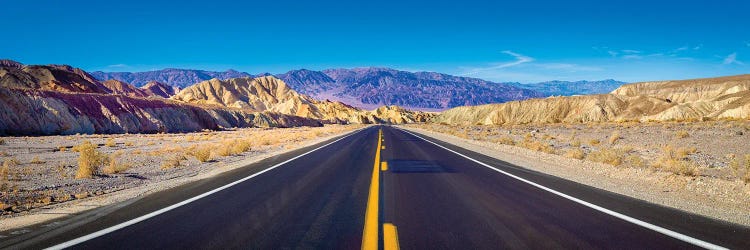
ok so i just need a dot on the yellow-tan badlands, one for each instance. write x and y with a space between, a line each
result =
272 94
688 100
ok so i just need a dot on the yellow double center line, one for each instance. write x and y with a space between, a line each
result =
370 233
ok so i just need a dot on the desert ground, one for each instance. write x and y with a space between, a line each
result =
701 167
38 172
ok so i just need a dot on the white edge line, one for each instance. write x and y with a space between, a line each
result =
93 235
638 222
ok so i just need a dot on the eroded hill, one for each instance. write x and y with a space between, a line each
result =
268 93
710 98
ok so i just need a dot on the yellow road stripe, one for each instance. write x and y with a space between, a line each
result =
370 233
390 237
384 166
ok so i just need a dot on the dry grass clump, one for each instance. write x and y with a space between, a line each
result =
110 143
129 143
232 147
614 137
538 146
676 161
575 143
90 160
173 162
2 141
36 160
682 134
201 153
741 169
116 165
605 155
635 161
594 142
575 153
507 140
5 169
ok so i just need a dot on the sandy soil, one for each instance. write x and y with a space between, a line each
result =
704 172
38 173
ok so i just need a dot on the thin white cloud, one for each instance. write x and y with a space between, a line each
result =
732 59
612 53
698 47
632 57
117 66
520 59
681 48
631 51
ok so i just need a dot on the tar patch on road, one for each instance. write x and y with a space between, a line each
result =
416 166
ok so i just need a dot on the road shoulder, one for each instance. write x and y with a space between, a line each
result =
660 188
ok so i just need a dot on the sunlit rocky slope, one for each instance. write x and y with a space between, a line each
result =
710 98
59 99
268 93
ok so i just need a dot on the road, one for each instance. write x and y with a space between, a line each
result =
383 188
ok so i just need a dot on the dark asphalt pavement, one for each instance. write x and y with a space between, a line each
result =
435 198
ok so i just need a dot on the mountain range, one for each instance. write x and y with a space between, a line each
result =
60 99
180 78
370 88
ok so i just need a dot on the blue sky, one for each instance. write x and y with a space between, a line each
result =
525 41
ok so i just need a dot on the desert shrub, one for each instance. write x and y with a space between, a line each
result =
538 146
575 153
614 137
682 134
594 142
2 141
635 161
6 168
607 156
110 142
62 149
129 143
201 153
223 149
676 161
575 143
36 160
116 165
89 160
507 140
173 161
241 146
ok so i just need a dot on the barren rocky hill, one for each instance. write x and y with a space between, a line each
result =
373 87
180 78
568 88
269 93
154 88
711 98
48 77
59 99
122 88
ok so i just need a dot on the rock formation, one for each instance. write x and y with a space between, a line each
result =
698 99
269 93
159 89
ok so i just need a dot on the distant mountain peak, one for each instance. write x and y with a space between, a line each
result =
10 63
180 78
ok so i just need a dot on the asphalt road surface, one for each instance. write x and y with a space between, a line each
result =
382 188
